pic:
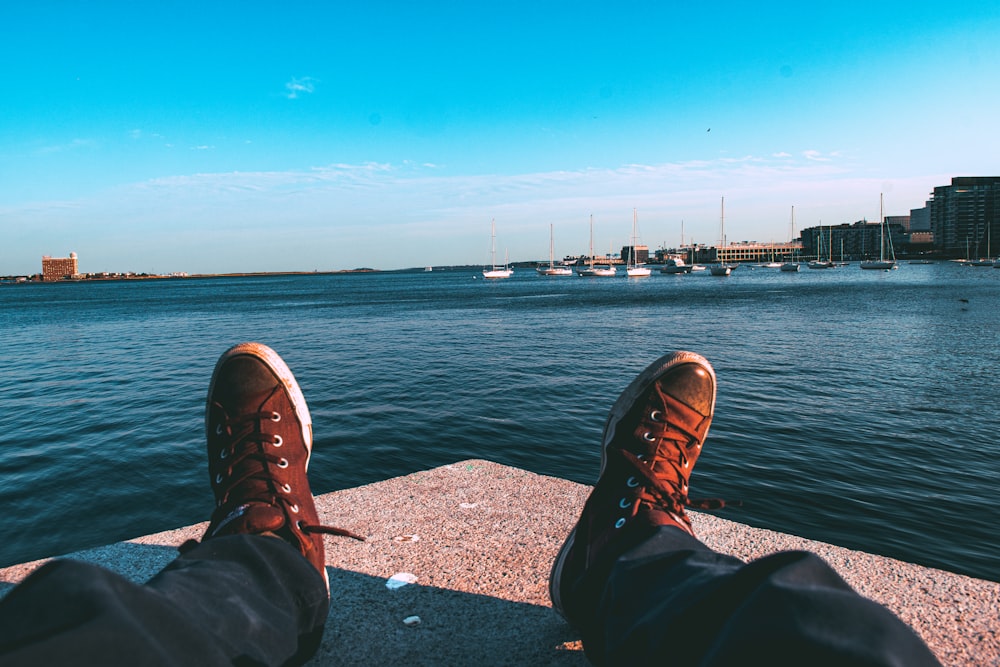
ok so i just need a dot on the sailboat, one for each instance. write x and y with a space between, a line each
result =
632 268
819 262
552 269
722 269
984 261
791 266
676 265
496 271
882 263
592 271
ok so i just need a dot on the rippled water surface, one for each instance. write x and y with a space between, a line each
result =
854 407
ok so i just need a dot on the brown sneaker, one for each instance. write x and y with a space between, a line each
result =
259 443
652 439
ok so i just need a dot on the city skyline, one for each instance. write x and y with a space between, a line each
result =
240 137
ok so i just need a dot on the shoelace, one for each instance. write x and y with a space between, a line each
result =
670 492
667 495
262 489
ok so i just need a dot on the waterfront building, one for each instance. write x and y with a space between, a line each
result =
854 241
920 219
59 268
963 216
743 251
641 255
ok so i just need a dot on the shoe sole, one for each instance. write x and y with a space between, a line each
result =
625 401
278 367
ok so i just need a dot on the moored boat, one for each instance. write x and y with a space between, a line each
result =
883 263
495 271
552 269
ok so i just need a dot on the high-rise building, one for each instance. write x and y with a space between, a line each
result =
920 219
964 216
59 268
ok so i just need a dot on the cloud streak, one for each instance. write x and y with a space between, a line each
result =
296 87
399 215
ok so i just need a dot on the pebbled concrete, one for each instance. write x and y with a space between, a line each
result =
480 538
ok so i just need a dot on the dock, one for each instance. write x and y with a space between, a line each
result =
479 539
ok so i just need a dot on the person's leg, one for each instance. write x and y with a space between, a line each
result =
254 591
236 598
642 589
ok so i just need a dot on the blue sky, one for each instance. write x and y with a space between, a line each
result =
240 136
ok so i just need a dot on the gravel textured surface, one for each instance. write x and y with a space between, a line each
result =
477 540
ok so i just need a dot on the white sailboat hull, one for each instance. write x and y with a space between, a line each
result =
597 272
878 265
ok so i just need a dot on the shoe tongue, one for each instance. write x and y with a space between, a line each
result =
251 518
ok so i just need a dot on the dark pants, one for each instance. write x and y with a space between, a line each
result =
243 599
673 601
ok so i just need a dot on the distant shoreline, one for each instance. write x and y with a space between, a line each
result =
35 279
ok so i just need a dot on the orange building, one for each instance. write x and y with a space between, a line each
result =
59 268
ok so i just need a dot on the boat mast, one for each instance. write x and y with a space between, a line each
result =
551 242
591 240
881 224
722 227
631 248
493 243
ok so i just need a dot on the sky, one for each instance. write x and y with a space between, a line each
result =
243 136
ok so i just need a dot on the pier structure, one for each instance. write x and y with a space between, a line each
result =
477 539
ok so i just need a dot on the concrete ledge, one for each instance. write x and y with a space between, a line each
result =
480 539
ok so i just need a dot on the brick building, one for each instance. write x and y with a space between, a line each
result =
59 268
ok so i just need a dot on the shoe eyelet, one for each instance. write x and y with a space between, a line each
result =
275 417
620 522
294 508
286 488
223 454
283 463
656 415
684 461
218 429
278 441
648 437
631 482
218 478
624 503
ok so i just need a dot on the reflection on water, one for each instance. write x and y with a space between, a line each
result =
854 407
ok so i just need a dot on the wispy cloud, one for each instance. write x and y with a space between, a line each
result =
138 134
816 156
405 214
296 87
75 144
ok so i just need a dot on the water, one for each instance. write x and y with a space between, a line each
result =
854 407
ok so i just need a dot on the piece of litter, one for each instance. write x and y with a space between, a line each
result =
411 620
399 580
468 506
406 538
